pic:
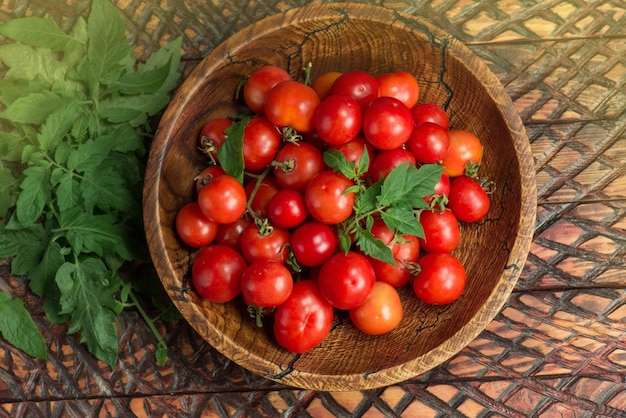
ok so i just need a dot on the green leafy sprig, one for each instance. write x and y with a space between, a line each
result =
75 111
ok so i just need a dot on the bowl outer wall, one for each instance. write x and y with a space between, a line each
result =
316 33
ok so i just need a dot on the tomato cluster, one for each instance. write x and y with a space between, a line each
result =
291 213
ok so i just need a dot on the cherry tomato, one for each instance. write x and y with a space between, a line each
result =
291 103
380 313
353 151
230 234
430 112
267 245
338 119
400 85
193 228
359 85
260 83
212 136
266 284
346 279
207 175
405 255
296 164
441 231
442 190
429 143
464 147
324 83
303 321
387 123
223 200
313 243
287 209
441 279
326 199
260 143
216 273
264 193
386 161
468 200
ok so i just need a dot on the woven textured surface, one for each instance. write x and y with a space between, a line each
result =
558 348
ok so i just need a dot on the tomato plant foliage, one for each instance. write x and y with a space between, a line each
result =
74 111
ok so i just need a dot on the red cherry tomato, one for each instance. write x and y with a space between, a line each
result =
430 112
429 143
441 231
193 228
207 175
441 280
264 193
260 143
291 103
326 199
464 147
405 255
386 161
338 119
212 136
387 123
223 200
313 243
303 321
296 164
216 273
442 190
260 83
266 284
359 85
468 200
346 279
380 313
400 85
287 209
268 245
353 151
230 234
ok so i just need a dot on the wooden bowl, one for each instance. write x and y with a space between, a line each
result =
343 37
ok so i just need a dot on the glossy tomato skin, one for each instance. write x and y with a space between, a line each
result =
380 313
429 143
338 119
442 279
326 199
261 140
223 200
313 243
300 163
212 136
464 147
287 209
207 175
346 279
291 103
405 255
230 234
468 200
266 284
216 273
260 83
324 83
441 231
193 228
386 161
257 246
353 151
400 85
387 123
360 85
303 321
430 112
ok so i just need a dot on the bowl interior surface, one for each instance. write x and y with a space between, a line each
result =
344 37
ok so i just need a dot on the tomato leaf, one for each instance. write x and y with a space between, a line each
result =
373 247
230 153
35 193
338 163
19 328
402 219
33 108
36 31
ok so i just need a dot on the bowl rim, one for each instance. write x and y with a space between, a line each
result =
517 254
